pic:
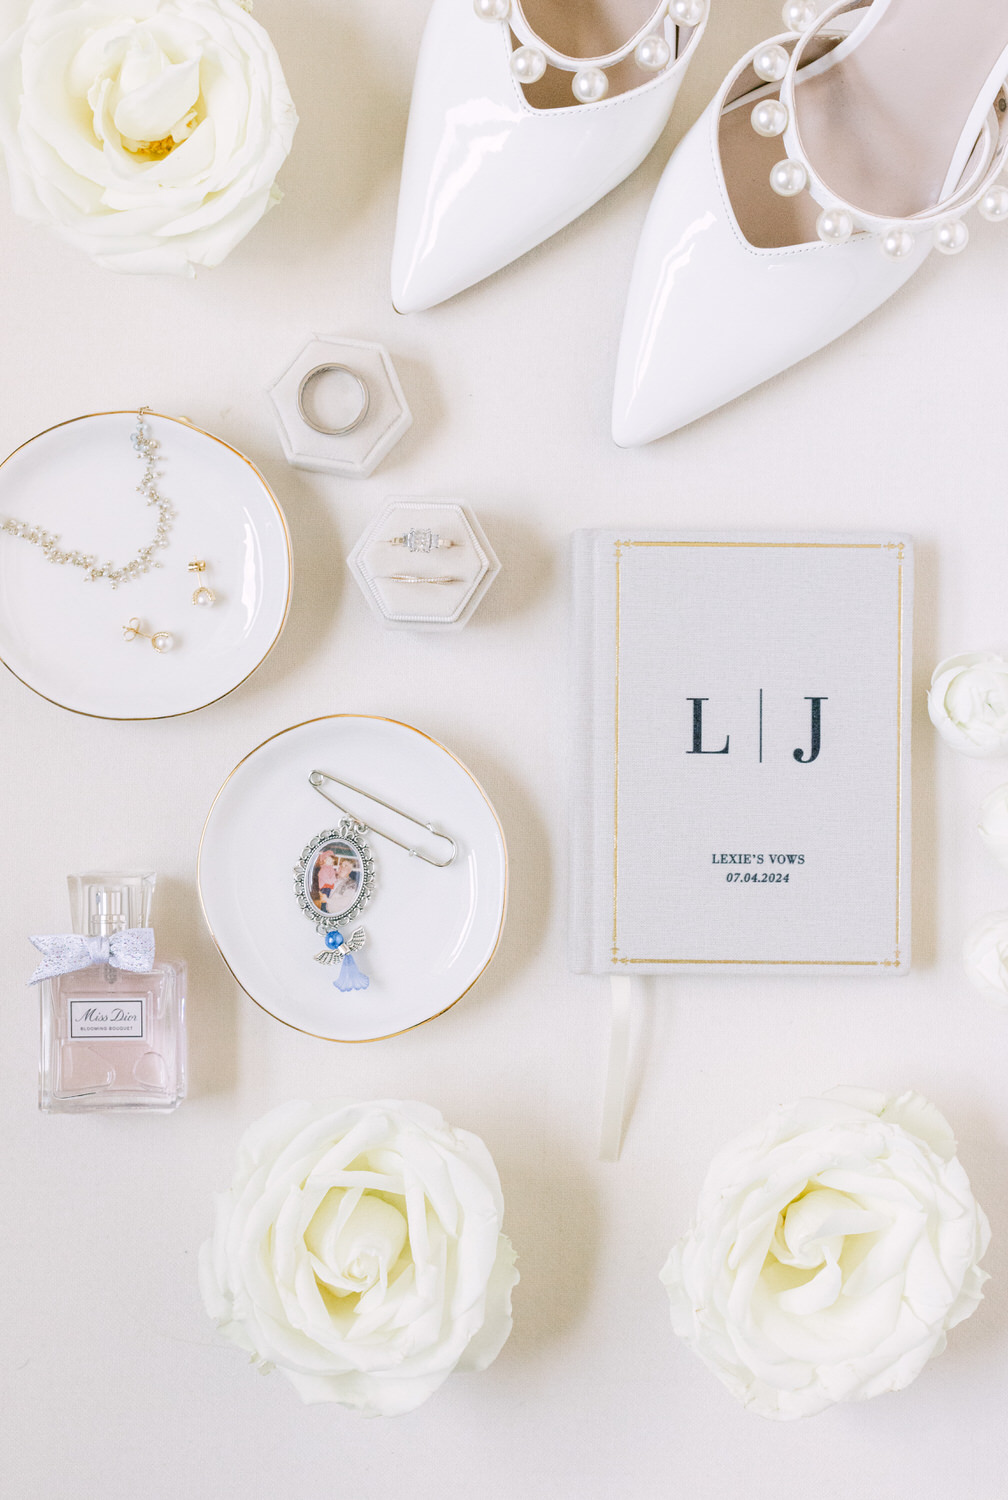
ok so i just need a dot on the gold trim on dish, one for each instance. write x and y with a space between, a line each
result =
848 963
615 875
378 719
181 714
899 747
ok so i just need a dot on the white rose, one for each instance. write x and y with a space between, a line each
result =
149 132
994 824
968 703
359 1250
985 956
833 1248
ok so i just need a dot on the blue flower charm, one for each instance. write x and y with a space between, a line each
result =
350 976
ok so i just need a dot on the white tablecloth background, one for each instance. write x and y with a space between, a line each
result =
113 1382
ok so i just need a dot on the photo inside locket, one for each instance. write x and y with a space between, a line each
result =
333 878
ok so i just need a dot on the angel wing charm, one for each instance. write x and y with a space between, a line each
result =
341 950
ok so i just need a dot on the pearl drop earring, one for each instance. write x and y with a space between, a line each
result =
161 640
204 596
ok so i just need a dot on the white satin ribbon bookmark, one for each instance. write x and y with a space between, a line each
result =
614 1101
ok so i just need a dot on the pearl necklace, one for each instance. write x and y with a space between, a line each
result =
146 447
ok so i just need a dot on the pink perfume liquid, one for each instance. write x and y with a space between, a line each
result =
114 1043
113 1039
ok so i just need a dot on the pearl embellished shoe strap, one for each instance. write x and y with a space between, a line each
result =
977 163
662 47
529 38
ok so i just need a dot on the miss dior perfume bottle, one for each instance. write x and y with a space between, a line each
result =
113 1016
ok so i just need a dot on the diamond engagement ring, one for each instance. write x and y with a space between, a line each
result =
420 539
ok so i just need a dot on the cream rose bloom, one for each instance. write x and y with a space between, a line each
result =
834 1247
149 132
968 703
359 1250
994 824
985 956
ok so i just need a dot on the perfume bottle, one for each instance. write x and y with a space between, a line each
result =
111 1038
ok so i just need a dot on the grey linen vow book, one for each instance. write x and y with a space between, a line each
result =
741 753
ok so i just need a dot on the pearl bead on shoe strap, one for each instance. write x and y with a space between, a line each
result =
779 60
648 46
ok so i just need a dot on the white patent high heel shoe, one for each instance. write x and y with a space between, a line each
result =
831 162
511 137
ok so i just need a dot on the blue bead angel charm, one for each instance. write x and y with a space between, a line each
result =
339 949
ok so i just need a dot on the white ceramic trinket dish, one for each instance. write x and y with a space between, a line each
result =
71 640
430 932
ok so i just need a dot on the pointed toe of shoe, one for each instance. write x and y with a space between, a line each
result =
642 415
674 356
710 316
486 177
444 242
420 283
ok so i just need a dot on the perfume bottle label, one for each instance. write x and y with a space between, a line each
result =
122 1018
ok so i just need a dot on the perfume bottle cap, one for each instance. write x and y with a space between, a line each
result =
106 902
107 915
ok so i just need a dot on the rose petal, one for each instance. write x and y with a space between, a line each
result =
150 111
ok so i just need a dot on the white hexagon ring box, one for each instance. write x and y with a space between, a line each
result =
424 564
340 407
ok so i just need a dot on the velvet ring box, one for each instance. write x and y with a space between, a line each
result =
346 368
424 564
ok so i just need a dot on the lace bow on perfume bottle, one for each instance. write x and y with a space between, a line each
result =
69 952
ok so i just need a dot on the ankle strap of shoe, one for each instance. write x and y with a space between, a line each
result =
840 219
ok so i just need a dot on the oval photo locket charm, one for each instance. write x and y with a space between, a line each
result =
333 881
